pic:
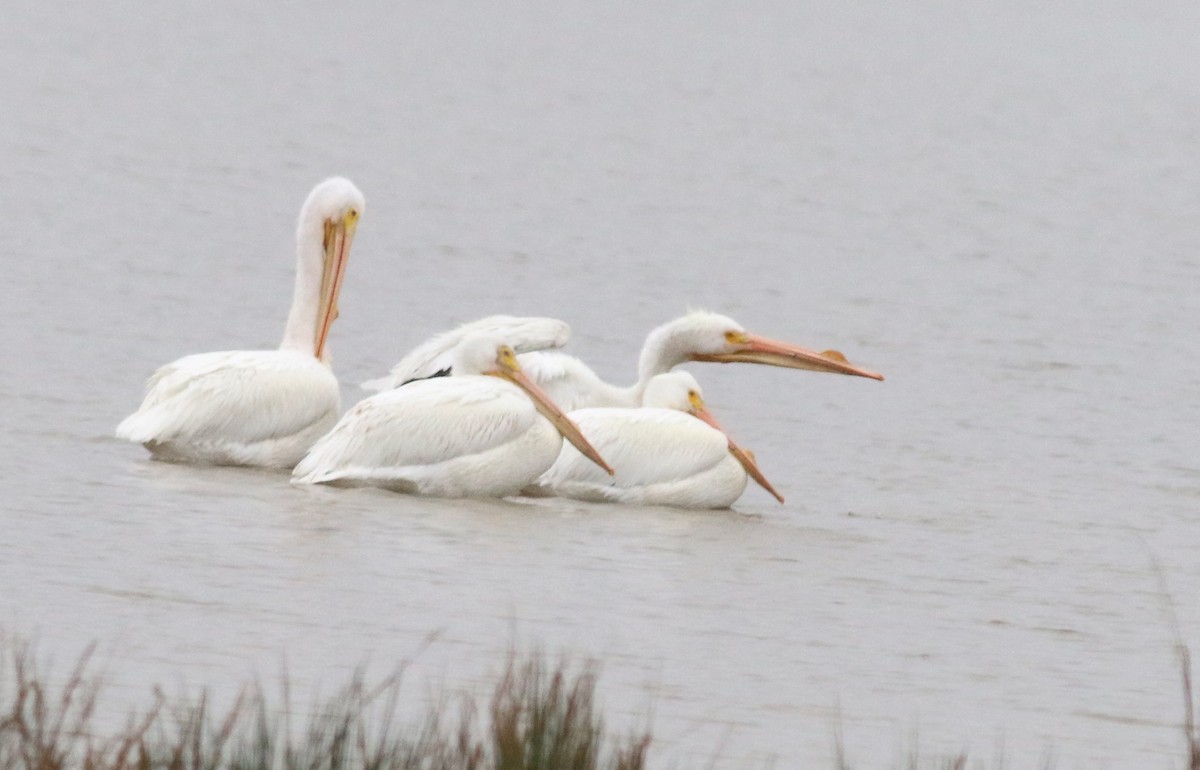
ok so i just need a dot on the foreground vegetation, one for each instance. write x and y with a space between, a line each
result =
539 717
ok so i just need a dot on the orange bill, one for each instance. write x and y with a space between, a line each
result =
338 237
743 456
752 349
569 430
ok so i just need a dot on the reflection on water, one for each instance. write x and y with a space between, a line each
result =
994 206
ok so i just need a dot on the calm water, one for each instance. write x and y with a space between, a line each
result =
993 203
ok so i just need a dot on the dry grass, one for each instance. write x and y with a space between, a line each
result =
539 718
1191 732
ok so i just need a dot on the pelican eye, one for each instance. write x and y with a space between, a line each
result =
734 337
507 358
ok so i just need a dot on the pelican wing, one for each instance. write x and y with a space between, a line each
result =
571 383
235 396
522 333
422 424
645 446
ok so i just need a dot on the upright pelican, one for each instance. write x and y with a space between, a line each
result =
261 407
486 431
671 451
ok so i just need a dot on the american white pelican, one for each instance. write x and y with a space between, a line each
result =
261 407
697 336
434 357
662 454
486 431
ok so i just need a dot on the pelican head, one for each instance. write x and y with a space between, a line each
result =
681 392
489 355
330 218
703 336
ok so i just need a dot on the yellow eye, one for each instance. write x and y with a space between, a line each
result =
735 337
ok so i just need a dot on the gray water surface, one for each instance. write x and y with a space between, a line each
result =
995 204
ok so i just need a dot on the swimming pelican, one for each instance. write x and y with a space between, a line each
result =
662 454
486 431
261 407
697 336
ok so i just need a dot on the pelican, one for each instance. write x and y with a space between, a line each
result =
486 431
672 451
696 336
261 407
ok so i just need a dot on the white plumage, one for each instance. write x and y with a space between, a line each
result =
243 407
668 452
261 407
472 434
661 457
522 333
